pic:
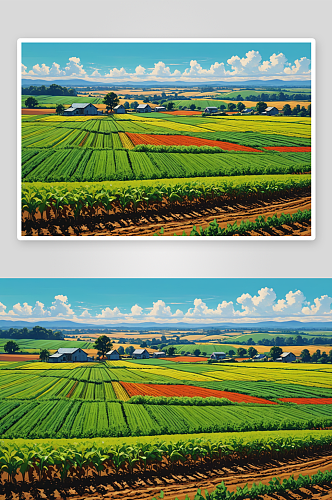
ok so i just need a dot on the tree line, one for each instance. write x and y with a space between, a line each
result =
36 333
53 89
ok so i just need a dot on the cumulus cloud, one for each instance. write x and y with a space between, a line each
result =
160 69
275 65
110 313
61 307
160 310
3 308
301 67
19 310
320 306
39 310
292 304
246 65
117 73
74 68
201 310
56 71
85 314
260 304
196 70
139 70
136 310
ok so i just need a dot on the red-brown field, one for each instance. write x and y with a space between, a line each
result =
290 149
184 140
307 401
47 111
189 391
18 357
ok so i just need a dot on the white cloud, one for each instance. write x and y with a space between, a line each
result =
292 305
301 67
39 310
246 65
160 310
61 307
109 313
117 73
136 310
19 310
139 70
320 306
74 68
260 304
85 314
95 73
3 309
56 71
196 70
160 69
42 70
201 310
275 65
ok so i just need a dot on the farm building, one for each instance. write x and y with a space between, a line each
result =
210 110
218 355
271 111
81 108
140 354
160 108
143 108
247 111
259 357
287 357
159 354
68 354
113 354
120 109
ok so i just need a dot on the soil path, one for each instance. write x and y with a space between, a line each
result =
179 485
177 222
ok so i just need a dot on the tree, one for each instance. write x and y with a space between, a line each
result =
252 351
222 107
171 351
11 346
163 339
275 352
305 356
143 344
240 106
111 100
31 102
192 107
261 106
170 106
241 352
129 350
204 353
197 352
59 109
44 354
102 344
120 350
126 105
316 355
231 352
231 106
309 110
134 105
287 110
163 95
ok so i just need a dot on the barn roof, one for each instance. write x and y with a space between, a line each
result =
139 351
68 350
119 106
211 107
220 352
56 355
285 354
80 104
111 352
269 108
159 352
69 109
142 106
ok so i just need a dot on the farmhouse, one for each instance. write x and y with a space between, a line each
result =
159 354
69 354
81 108
287 357
210 110
247 111
271 111
143 108
160 108
113 354
218 355
119 109
140 354
259 357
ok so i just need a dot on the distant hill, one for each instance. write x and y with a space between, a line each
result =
266 325
248 83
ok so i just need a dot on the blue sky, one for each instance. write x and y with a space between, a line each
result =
179 300
165 62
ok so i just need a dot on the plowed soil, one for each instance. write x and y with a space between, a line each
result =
146 224
177 484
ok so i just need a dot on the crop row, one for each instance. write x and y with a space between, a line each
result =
255 139
247 227
80 164
90 200
46 462
73 419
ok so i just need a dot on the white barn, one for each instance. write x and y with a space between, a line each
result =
160 108
271 110
120 109
218 355
143 108
140 354
113 354
210 110
159 354
81 108
287 357
69 354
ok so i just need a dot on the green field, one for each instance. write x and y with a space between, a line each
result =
71 400
53 101
29 344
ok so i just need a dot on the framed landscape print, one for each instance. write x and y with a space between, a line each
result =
171 138
190 389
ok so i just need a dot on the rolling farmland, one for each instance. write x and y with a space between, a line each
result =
134 147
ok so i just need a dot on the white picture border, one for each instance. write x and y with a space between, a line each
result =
312 41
